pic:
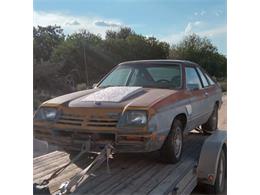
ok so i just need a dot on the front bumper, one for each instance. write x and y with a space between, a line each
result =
123 142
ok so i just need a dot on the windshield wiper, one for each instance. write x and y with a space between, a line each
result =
159 87
105 86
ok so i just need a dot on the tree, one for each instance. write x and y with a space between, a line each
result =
45 39
61 62
123 33
127 45
83 53
201 51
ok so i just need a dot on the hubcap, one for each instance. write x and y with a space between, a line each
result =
177 141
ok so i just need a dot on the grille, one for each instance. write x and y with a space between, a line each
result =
106 120
97 122
74 120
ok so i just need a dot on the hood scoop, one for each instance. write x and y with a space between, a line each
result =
112 94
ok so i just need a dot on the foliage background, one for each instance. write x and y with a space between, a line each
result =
66 63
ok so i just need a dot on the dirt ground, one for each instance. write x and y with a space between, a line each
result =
222 114
40 147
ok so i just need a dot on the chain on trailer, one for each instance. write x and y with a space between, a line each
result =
72 184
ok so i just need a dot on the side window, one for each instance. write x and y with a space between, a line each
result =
203 78
192 78
211 82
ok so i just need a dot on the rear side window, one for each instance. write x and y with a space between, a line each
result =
203 78
192 78
211 82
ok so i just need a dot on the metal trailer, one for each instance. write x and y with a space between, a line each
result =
143 173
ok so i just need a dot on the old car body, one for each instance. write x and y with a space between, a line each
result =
135 118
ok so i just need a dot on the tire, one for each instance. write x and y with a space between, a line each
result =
220 182
171 150
212 123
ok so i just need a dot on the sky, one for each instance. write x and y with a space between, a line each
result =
167 20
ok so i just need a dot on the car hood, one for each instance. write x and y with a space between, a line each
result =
113 97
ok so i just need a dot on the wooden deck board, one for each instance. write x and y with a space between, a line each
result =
49 156
102 176
117 186
50 166
131 184
130 173
167 184
150 184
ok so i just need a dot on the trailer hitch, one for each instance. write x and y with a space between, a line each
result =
71 185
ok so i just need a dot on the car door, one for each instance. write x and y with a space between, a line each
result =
209 93
198 97
213 91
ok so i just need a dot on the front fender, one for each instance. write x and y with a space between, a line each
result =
161 122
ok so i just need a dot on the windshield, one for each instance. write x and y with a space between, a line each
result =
151 76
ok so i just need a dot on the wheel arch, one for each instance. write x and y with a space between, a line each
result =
182 117
217 103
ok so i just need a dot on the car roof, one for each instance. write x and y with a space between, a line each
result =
163 61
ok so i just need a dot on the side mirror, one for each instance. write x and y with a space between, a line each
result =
193 86
94 85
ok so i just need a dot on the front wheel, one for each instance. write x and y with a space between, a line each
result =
171 150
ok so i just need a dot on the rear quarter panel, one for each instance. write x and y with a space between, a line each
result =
214 95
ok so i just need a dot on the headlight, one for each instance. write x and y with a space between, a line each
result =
133 118
48 114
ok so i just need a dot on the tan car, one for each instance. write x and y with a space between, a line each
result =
140 106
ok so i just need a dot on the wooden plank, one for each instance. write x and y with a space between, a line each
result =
46 170
114 179
190 186
46 156
117 186
131 173
68 173
101 175
40 162
57 155
136 180
187 184
55 183
72 170
145 186
167 184
49 163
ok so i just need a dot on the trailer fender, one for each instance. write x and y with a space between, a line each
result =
209 156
